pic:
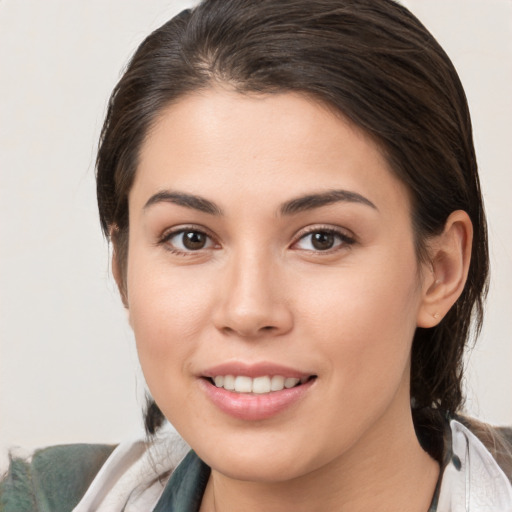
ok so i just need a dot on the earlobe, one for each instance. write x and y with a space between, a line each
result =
450 255
117 270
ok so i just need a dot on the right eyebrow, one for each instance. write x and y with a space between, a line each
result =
312 201
187 200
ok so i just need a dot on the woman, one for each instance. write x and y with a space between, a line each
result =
292 196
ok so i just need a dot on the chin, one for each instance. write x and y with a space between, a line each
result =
265 457
262 469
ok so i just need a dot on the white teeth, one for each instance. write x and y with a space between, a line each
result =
229 382
261 385
243 384
258 385
277 383
290 382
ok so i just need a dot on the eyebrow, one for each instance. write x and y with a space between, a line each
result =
297 205
312 201
182 199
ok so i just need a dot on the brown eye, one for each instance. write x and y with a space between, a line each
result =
188 240
194 240
322 241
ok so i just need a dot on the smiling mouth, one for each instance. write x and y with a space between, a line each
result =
259 385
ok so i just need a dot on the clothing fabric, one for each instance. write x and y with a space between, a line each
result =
53 479
472 481
166 475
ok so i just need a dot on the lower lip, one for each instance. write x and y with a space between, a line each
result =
254 407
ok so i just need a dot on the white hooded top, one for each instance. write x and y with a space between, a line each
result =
134 476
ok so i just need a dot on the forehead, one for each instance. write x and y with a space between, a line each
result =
218 139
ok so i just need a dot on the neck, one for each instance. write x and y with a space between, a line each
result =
385 470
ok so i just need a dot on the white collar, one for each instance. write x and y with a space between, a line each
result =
131 479
477 484
134 476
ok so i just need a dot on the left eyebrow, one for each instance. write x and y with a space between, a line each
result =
187 200
311 201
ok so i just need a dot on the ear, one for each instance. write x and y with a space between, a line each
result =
443 282
117 268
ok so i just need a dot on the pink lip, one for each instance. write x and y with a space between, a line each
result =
254 407
254 370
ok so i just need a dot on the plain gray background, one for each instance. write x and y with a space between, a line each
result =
68 369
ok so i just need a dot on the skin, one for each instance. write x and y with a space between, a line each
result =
259 290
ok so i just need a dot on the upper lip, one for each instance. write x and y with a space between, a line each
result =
254 370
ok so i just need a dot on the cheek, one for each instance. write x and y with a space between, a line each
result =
168 310
364 319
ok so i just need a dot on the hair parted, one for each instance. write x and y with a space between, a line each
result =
370 60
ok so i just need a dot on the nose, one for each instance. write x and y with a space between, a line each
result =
252 299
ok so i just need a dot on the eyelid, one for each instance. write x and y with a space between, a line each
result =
345 235
169 233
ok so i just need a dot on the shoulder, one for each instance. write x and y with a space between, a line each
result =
497 440
54 478
135 475
472 473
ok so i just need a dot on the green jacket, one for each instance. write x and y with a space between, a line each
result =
54 480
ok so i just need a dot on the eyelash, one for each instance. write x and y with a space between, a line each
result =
344 240
165 239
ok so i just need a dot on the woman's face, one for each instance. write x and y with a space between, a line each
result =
270 245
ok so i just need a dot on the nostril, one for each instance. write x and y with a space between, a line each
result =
249 332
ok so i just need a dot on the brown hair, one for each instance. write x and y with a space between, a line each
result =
371 60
